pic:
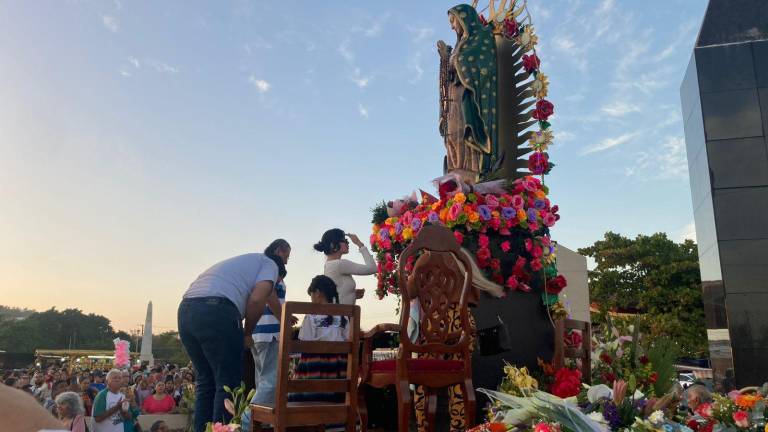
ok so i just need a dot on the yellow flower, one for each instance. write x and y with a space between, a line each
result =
521 215
495 214
540 86
436 206
391 233
540 140
459 198
540 194
474 217
407 233
391 221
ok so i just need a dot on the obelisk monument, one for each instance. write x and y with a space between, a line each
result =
146 340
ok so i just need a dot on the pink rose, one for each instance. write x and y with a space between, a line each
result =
491 201
483 241
454 212
741 418
505 246
550 219
512 283
517 202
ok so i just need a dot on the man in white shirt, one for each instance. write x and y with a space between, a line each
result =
210 326
109 411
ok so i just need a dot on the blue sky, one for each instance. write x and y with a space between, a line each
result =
142 141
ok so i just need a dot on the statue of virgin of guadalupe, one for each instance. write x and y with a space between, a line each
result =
468 96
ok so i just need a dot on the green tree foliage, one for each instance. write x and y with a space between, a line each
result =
167 347
656 277
54 329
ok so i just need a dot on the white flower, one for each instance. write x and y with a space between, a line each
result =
597 392
657 418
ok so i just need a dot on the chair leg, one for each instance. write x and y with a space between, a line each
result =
404 405
362 408
431 409
470 403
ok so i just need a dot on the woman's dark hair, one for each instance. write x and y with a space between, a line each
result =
156 426
281 272
331 241
326 286
276 246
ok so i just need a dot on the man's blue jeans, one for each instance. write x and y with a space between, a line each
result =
212 334
265 359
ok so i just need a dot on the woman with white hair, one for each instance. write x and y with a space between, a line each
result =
69 405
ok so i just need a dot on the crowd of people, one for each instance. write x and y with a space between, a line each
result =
114 398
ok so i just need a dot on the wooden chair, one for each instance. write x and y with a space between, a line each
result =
440 286
286 414
583 353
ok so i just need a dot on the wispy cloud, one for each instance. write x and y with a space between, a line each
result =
564 137
664 161
609 143
124 73
345 51
135 62
110 23
376 26
161 67
360 80
619 109
414 66
362 110
259 84
421 34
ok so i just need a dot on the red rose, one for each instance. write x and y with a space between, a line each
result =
447 187
567 383
609 377
556 285
544 109
538 163
510 28
531 62
512 283
459 237
606 358
483 254
495 264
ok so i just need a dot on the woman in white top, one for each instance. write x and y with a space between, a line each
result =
334 245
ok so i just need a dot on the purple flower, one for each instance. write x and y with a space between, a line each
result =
384 234
539 204
531 215
612 415
416 224
485 212
433 217
508 212
398 228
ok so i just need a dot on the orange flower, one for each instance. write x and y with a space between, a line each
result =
747 401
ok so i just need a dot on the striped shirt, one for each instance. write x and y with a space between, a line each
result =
268 326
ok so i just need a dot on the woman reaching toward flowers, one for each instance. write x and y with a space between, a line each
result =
334 244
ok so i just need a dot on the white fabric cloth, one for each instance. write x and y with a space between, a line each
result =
341 272
114 423
316 328
234 279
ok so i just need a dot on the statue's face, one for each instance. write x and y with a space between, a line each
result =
454 22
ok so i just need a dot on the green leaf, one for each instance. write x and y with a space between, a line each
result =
228 389
549 299
544 125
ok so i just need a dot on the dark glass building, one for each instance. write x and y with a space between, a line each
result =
725 111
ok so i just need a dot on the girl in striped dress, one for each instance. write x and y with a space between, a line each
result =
322 328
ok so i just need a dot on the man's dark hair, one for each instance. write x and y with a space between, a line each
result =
280 265
156 426
275 246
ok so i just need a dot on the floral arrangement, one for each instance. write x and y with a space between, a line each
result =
730 413
620 357
507 232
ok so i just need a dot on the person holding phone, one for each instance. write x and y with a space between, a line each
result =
335 244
